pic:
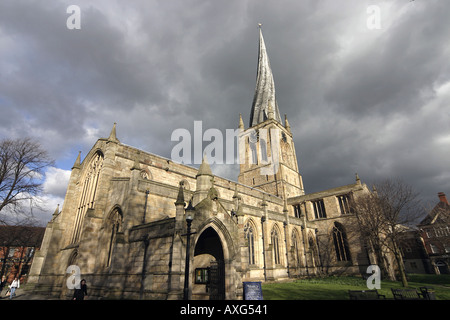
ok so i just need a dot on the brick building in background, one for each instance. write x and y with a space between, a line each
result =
17 247
435 232
415 257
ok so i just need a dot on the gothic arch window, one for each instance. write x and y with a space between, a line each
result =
340 243
275 237
295 240
250 236
89 185
313 249
287 154
73 258
114 227
344 203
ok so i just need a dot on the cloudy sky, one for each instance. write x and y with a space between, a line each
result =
360 96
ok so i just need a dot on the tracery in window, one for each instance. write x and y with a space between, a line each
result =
340 243
275 245
88 193
344 204
313 250
250 236
114 226
319 209
295 240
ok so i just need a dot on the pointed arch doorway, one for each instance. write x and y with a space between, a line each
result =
209 267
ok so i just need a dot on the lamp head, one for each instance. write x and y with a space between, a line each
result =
190 211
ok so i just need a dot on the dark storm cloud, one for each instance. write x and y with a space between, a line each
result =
368 101
397 72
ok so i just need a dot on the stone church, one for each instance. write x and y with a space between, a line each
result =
123 223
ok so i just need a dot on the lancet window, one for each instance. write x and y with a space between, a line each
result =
87 197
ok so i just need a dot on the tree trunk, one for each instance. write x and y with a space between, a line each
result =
401 267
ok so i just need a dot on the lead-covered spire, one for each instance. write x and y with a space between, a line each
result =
265 88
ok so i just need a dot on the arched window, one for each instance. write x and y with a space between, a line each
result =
340 243
73 258
295 248
250 236
314 253
114 226
275 245
87 196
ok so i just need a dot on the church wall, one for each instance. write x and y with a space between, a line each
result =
358 256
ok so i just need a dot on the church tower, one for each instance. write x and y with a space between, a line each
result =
267 152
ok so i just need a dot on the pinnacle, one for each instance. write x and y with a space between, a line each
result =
204 169
112 135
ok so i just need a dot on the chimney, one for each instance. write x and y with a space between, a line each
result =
442 197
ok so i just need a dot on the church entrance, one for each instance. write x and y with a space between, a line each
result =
209 268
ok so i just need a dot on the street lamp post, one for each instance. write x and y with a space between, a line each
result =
189 218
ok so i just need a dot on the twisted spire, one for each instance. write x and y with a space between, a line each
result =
265 89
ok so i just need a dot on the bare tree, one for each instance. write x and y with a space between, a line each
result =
22 165
382 217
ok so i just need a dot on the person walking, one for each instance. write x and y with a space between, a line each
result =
81 292
14 286
2 284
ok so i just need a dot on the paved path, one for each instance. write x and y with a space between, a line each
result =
21 294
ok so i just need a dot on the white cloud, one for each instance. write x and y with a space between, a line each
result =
56 181
54 190
47 206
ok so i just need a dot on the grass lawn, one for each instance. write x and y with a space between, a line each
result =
336 288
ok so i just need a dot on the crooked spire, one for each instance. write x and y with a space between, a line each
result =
265 89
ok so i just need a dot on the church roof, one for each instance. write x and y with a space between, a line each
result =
264 98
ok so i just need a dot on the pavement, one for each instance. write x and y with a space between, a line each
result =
22 294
